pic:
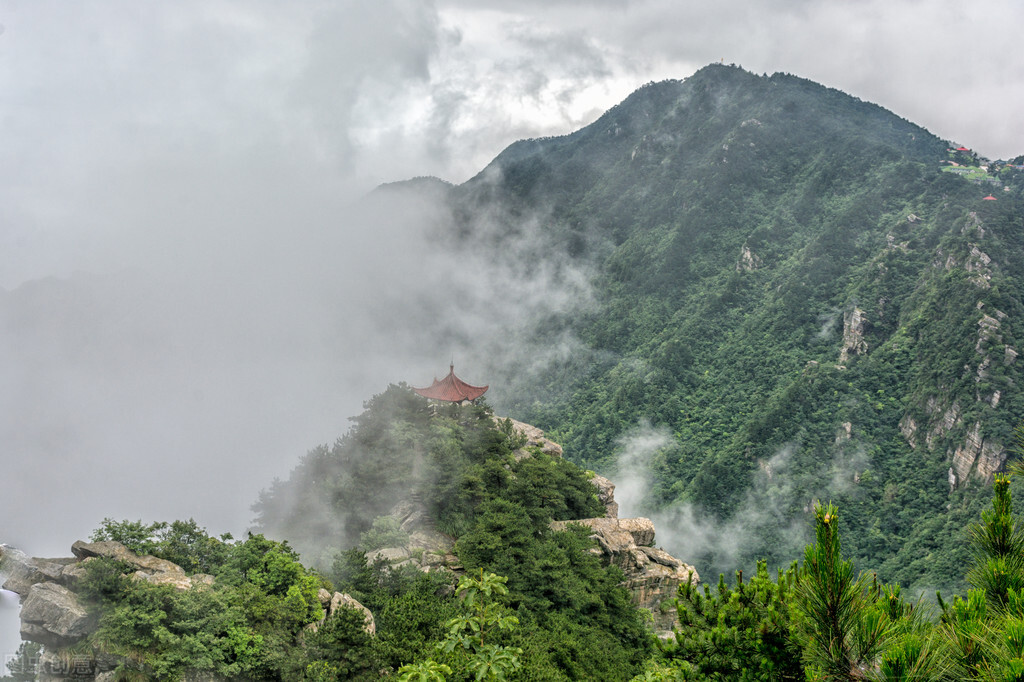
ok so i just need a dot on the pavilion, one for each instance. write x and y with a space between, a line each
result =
451 389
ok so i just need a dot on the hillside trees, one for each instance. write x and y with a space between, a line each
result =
819 620
576 620
247 623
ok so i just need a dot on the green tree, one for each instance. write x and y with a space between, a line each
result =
738 633
471 642
985 631
341 649
25 665
841 631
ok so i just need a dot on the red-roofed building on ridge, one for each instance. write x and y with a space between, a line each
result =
990 198
451 389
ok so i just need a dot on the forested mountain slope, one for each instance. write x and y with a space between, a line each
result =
788 285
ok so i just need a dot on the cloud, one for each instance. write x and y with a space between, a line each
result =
636 449
773 518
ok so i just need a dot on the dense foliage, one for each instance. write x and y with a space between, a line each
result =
821 621
251 622
801 294
575 620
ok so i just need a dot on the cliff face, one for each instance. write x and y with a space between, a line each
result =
653 575
974 454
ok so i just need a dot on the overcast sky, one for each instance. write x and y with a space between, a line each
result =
214 146
114 110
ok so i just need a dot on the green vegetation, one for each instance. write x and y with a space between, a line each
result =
733 224
972 173
251 622
789 287
469 643
24 665
557 612
575 620
819 621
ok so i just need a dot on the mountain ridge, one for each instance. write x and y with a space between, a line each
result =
733 223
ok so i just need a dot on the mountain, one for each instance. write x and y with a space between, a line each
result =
801 295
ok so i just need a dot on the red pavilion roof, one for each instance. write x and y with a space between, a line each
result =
451 389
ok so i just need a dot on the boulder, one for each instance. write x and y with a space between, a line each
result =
431 541
340 600
534 438
606 495
117 551
23 571
72 573
618 533
20 570
151 569
177 580
389 554
52 615
345 601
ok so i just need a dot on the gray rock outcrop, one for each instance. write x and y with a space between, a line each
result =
52 615
535 438
855 323
978 456
653 576
332 603
606 495
23 571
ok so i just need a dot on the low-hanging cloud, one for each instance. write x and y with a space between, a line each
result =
777 505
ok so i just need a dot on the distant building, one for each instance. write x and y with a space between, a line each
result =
451 389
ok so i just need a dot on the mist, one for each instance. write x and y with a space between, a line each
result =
775 514
182 387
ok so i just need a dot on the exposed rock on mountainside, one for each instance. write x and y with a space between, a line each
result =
748 261
854 325
52 615
976 454
533 438
730 221
652 574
